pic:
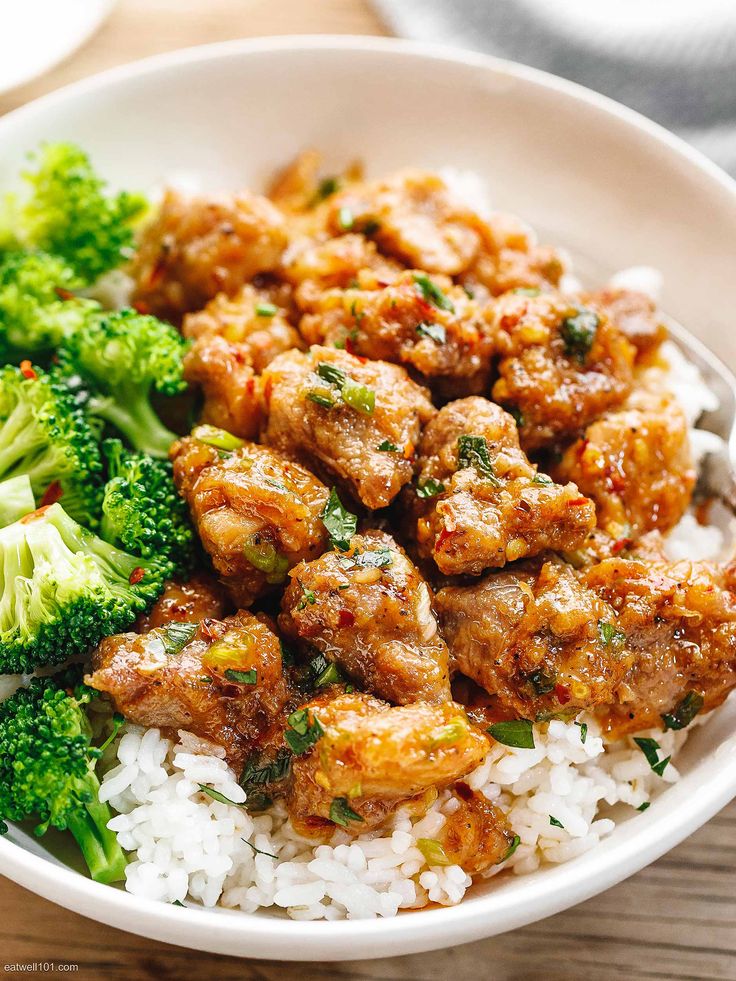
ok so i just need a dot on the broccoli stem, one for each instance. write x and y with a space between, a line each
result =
104 857
134 416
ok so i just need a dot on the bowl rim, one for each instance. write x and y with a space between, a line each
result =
266 936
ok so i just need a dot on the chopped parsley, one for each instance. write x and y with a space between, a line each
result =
435 332
515 842
258 851
684 712
340 523
432 293
379 559
242 677
430 488
302 733
216 795
308 597
555 823
357 396
325 189
517 415
650 748
541 682
644 806
578 333
287 655
345 219
176 636
609 636
321 672
255 775
517 733
387 447
541 478
266 310
583 731
472 451
341 812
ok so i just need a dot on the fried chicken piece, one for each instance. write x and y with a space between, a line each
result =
371 758
197 247
248 319
635 462
679 619
220 679
369 610
537 638
197 598
428 325
232 391
356 420
562 365
255 510
636 316
476 834
492 505
511 259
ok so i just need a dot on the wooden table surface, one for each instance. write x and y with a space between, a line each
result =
676 919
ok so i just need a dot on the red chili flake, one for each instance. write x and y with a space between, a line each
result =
563 694
64 294
140 306
577 502
52 494
345 618
26 369
26 519
136 575
620 544
350 346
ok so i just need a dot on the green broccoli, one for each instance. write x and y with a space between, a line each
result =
125 357
47 769
16 499
44 433
65 589
142 510
38 307
70 213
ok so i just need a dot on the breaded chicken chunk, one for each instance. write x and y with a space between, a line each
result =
197 598
257 512
369 610
232 391
480 502
357 420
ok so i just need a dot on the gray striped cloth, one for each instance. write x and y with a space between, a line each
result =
673 60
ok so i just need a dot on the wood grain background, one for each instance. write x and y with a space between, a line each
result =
676 919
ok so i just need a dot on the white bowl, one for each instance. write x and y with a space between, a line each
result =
614 188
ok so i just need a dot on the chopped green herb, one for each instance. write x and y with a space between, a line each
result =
541 682
526 291
684 712
541 478
583 731
379 559
341 812
555 823
644 806
177 903
430 488
650 748
287 655
517 415
216 795
435 332
326 401
578 333
432 293
472 451
345 219
449 734
358 397
206 679
256 774
242 677
340 523
275 483
264 556
330 676
176 636
517 733
308 598
221 439
515 842
266 310
302 733
433 852
387 447
609 636
117 721
258 850
349 689
331 373
325 189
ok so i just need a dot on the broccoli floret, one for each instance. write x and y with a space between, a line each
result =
65 589
125 357
70 213
142 510
16 499
44 433
47 769
38 307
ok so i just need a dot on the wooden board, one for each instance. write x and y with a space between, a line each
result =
676 919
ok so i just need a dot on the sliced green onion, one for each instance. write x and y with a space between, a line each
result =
266 310
432 293
341 812
221 439
435 332
358 397
433 852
